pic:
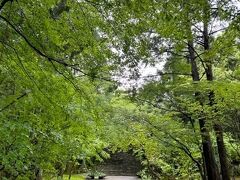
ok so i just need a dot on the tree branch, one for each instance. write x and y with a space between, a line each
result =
213 32
20 97
199 56
181 146
3 3
50 59
156 105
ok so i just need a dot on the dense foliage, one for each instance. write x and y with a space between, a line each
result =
63 106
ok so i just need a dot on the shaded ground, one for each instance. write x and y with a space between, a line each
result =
121 178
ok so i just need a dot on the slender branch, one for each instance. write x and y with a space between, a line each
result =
39 52
58 71
213 32
173 73
200 30
31 45
182 145
200 43
178 110
186 150
198 55
162 74
18 98
202 75
3 3
155 105
21 65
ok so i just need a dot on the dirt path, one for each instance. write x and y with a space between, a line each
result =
121 178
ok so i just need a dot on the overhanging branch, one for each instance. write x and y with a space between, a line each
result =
20 97
3 3
50 59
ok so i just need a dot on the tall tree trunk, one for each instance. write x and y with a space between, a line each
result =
222 152
211 167
217 127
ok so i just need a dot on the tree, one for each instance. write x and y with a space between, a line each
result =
59 59
194 21
48 115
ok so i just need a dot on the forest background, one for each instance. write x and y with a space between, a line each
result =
62 63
